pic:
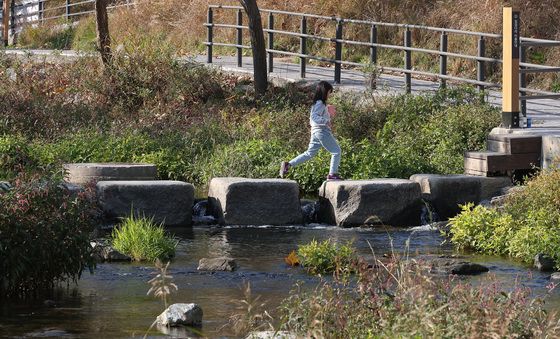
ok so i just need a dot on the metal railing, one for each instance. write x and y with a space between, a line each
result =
374 46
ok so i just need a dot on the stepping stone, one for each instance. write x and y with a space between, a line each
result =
84 173
168 202
447 192
395 202
242 201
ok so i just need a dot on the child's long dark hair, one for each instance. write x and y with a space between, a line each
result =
322 91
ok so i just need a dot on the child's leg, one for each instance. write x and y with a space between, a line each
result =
330 144
312 149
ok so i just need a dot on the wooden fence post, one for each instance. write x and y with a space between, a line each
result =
67 10
510 73
338 53
239 38
103 38
408 61
210 22
443 60
373 48
303 47
270 43
480 71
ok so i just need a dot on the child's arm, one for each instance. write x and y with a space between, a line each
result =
332 110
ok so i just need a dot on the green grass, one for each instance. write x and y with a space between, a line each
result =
142 239
326 257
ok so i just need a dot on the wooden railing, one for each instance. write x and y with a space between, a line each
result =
406 48
33 12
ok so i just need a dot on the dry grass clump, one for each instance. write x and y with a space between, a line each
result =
399 298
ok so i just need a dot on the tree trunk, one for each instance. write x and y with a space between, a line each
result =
257 45
5 21
103 38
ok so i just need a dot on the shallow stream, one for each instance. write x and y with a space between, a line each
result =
112 303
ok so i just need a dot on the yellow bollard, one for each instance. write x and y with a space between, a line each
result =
510 70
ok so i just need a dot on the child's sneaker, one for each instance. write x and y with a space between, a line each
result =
333 176
284 168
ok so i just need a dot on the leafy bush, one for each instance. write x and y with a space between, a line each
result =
141 239
527 224
430 133
253 159
14 156
326 257
482 229
44 236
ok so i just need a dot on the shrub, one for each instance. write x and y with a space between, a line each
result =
482 229
326 257
14 156
44 236
527 224
141 239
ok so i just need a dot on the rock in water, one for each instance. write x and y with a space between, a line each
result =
217 264
447 192
168 202
242 201
555 276
271 335
544 262
457 267
82 174
310 211
5 186
181 314
394 202
110 254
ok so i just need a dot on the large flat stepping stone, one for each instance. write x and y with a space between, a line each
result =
242 201
84 173
447 192
168 202
395 202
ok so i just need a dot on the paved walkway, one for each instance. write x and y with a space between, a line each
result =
545 112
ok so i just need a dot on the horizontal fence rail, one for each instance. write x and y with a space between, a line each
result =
406 48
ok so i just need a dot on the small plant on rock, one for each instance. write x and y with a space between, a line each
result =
142 239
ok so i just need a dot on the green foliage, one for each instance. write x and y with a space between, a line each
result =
141 239
326 257
429 133
44 236
253 159
482 229
527 224
14 156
